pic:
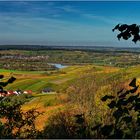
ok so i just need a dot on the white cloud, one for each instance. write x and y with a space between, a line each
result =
46 29
108 20
69 8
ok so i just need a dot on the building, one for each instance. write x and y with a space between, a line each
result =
47 90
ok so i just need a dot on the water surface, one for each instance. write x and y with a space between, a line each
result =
58 65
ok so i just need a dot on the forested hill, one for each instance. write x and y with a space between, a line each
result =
85 48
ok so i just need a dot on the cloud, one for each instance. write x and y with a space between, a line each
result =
25 8
107 20
70 9
46 29
37 30
43 23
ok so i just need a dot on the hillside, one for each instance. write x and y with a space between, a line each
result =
60 80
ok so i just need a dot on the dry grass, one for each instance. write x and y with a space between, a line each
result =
39 103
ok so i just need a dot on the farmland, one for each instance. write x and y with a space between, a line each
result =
36 81
87 74
38 60
60 81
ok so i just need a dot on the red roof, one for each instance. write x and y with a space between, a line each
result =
29 91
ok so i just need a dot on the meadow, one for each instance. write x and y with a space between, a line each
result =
36 81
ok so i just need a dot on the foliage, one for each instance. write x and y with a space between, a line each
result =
82 93
66 124
128 31
14 123
125 106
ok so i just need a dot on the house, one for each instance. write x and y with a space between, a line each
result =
10 92
2 94
47 90
18 92
27 92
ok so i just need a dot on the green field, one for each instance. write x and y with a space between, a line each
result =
37 80
50 104
59 80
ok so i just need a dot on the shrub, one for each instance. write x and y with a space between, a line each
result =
66 124
14 123
125 106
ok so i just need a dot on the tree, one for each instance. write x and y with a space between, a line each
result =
14 123
125 106
128 31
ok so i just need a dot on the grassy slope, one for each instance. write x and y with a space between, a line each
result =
36 81
52 103
46 104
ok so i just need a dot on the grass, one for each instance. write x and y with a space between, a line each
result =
42 100
46 104
51 103
36 81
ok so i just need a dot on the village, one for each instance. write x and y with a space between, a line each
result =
16 92
29 92
24 57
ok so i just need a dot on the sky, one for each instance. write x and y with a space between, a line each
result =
66 22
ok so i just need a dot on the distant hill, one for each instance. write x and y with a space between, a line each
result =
85 48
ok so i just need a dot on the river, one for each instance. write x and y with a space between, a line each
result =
58 65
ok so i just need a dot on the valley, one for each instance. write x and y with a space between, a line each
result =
54 89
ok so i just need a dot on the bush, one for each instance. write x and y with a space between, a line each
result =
14 123
125 106
66 124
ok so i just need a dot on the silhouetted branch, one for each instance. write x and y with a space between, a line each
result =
128 31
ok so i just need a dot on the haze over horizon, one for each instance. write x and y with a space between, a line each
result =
66 23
